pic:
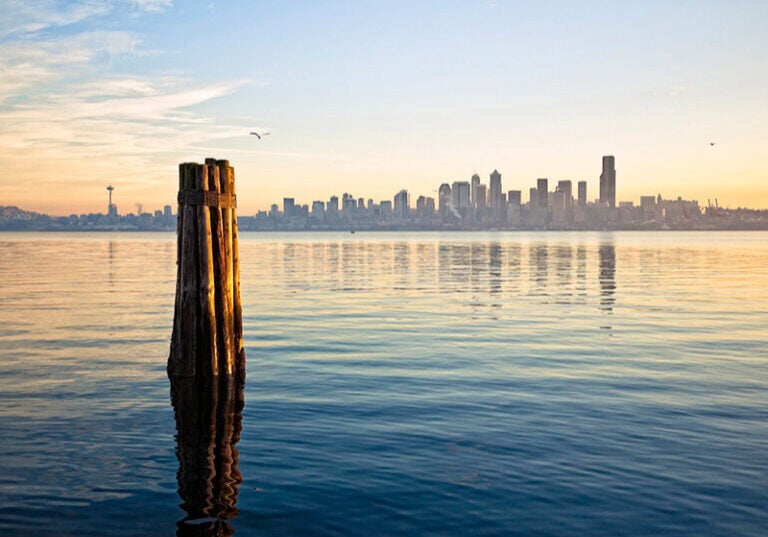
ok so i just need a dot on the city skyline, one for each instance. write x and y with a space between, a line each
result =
602 192
371 97
460 205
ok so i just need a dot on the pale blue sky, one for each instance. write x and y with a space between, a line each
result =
372 97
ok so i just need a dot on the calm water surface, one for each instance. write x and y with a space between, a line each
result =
400 384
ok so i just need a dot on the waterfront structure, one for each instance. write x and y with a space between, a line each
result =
608 182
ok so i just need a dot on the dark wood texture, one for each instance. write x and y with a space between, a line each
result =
207 329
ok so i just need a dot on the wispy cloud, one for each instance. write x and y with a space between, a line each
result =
28 66
153 5
120 118
62 109
25 16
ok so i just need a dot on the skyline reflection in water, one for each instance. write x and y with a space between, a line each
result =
398 384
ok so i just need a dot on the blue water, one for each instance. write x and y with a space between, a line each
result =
400 384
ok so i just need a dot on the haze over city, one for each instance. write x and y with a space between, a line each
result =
373 98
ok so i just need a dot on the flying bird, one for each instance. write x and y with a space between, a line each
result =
259 135
711 143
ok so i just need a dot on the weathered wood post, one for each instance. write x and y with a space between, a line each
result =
206 364
207 338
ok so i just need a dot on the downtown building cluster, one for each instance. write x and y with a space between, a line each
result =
460 205
473 205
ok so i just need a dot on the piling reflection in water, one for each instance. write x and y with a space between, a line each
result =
208 424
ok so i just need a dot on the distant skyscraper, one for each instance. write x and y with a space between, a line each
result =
533 198
582 193
429 208
318 209
444 197
567 190
288 207
481 197
648 202
386 209
460 192
608 182
542 185
333 206
559 207
402 205
494 193
348 205
474 182
514 198
421 204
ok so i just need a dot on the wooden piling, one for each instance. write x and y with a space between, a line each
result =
207 329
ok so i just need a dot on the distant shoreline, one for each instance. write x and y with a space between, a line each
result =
414 230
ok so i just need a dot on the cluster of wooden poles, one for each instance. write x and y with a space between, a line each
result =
207 338
206 364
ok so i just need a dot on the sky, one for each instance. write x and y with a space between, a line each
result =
372 97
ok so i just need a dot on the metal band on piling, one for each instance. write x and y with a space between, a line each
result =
208 198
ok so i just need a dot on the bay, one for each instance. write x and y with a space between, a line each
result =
492 383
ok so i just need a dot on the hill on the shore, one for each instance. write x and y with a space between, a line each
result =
14 213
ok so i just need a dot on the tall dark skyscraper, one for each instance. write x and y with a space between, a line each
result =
288 206
582 193
494 193
542 185
608 182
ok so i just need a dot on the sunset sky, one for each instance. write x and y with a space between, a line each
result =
372 97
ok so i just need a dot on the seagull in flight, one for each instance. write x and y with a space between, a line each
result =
711 143
259 135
